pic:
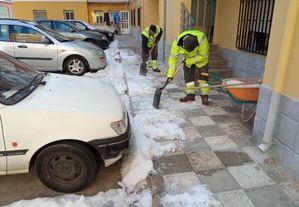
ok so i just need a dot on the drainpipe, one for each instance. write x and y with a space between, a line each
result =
280 74
164 30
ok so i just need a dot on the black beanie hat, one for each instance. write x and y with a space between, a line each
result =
190 43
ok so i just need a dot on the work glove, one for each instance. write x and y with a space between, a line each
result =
169 79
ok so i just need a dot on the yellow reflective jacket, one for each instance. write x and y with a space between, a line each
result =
200 55
152 39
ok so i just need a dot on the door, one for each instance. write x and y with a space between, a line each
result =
5 42
124 25
34 48
2 149
203 12
67 31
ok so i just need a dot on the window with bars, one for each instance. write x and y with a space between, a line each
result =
254 25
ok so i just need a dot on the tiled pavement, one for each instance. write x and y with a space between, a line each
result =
219 154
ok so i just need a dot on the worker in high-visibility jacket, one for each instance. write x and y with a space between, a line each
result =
194 47
150 38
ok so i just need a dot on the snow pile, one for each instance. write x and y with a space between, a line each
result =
198 196
116 198
149 124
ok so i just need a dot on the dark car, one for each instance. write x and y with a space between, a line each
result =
71 31
85 26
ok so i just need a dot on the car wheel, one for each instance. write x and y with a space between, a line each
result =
75 66
66 167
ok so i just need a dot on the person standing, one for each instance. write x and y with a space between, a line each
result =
150 38
194 47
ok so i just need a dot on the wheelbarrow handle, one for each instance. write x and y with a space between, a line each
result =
228 85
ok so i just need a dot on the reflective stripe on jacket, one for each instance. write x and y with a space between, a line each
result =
200 55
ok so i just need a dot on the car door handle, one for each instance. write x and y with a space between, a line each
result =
22 46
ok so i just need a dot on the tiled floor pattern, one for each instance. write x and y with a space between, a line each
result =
219 154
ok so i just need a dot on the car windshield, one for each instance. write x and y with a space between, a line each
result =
54 34
17 80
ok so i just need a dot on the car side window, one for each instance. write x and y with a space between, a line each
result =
80 26
27 35
4 33
60 27
46 24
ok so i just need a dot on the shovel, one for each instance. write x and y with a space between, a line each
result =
158 92
142 69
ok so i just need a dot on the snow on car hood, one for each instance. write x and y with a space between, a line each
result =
72 94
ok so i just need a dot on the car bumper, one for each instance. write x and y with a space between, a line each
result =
112 149
111 38
102 44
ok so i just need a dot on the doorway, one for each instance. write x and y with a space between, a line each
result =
203 12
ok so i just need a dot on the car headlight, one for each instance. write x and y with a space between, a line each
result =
110 34
120 127
104 38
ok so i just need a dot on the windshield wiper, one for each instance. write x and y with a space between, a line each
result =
33 83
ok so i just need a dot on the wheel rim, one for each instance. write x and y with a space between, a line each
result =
65 168
76 66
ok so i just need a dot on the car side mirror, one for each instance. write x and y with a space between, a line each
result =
71 30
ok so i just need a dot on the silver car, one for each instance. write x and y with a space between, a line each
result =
47 50
72 32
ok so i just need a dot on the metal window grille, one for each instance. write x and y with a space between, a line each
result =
254 25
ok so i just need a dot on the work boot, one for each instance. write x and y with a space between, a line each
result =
188 97
205 100
157 70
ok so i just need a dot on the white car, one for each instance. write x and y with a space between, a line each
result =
64 125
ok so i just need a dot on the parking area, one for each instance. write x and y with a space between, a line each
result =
28 186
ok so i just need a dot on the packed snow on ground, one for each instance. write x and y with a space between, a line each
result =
112 198
198 196
148 126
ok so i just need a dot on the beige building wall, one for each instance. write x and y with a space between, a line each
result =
226 23
55 10
173 19
291 87
278 39
275 42
150 12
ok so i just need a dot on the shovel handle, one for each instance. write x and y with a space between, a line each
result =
150 52
168 80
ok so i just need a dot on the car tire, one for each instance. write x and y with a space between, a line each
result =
66 167
75 66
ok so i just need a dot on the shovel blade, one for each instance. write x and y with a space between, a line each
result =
142 69
157 98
